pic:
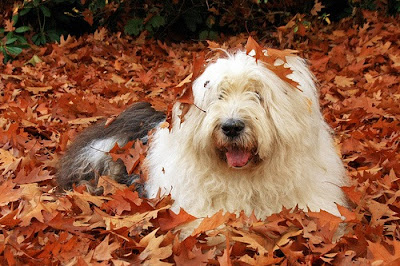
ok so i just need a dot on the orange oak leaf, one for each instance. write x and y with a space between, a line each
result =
269 56
316 8
9 25
8 192
104 251
352 194
380 253
343 81
154 252
210 223
254 49
194 257
36 175
169 220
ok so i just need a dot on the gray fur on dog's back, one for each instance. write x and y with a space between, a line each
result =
79 164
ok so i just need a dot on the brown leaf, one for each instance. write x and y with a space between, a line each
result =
84 121
348 214
7 161
88 17
169 220
194 257
316 8
37 90
36 175
8 25
269 56
104 251
210 223
343 81
254 241
382 255
353 194
154 252
131 154
254 49
110 186
225 259
8 192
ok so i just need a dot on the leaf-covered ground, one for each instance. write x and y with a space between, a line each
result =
51 93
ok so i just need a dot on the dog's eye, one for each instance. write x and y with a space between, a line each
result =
259 96
206 83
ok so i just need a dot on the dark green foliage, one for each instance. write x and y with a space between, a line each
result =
13 41
134 26
42 21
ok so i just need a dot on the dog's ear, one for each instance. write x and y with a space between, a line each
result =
288 109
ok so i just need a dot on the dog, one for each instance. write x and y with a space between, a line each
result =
251 142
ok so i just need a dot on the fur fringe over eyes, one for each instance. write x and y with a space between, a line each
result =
252 143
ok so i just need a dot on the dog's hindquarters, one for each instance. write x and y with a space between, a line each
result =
87 158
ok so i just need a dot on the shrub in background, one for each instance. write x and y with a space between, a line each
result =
42 21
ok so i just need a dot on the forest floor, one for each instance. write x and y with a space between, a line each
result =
51 93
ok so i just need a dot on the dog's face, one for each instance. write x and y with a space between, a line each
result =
249 113
236 118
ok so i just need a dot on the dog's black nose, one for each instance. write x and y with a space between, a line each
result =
232 127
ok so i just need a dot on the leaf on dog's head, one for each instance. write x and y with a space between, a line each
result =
269 56
254 49
280 54
283 72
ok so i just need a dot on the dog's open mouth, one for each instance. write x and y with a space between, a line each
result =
237 157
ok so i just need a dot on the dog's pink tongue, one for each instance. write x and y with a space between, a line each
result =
237 158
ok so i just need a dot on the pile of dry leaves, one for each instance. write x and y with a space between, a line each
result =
53 92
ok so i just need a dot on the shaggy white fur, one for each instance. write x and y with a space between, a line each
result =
280 153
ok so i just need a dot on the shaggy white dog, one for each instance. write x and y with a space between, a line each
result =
259 144
251 142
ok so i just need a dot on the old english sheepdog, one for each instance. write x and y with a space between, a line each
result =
251 142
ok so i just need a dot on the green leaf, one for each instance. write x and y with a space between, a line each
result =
149 28
21 39
134 26
46 12
25 11
213 35
10 35
39 38
15 19
14 50
53 36
208 35
35 39
34 60
42 39
157 21
11 40
22 29
203 35
192 19
6 57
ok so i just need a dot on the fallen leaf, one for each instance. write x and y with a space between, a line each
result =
104 251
